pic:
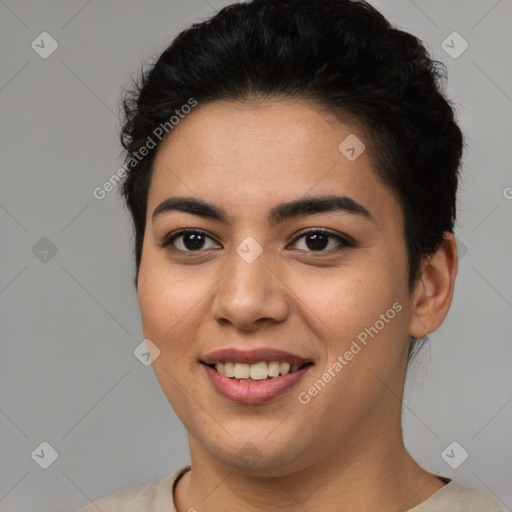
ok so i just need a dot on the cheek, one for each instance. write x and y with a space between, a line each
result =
168 301
342 302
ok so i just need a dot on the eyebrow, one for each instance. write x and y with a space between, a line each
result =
279 213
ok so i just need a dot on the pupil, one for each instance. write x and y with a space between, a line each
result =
193 241
318 241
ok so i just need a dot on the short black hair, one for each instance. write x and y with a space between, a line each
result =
345 57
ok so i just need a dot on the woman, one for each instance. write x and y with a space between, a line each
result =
292 173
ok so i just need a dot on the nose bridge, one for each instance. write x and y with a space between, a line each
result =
250 290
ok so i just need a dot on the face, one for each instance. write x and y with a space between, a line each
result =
233 276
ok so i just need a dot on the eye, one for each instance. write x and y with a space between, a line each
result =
192 240
316 240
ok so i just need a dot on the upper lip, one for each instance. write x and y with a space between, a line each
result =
252 356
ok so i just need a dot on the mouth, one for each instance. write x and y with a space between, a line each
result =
254 376
257 372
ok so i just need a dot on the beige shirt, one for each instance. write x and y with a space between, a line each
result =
157 496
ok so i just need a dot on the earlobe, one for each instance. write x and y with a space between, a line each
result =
434 290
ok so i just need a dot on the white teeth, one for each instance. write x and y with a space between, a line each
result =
242 371
229 369
284 368
257 371
273 369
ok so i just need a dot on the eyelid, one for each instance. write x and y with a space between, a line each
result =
344 240
169 238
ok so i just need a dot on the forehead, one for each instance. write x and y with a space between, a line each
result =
250 155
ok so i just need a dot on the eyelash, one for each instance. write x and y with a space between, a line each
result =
344 242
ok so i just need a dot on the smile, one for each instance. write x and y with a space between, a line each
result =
254 376
256 372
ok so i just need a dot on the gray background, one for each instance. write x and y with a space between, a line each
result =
70 321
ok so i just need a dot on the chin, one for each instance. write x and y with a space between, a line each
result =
258 457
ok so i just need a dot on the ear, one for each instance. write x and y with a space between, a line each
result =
434 289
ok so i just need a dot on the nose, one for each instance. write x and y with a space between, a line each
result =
250 295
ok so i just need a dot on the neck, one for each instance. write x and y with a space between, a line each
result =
381 475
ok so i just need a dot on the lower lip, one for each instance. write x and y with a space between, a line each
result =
253 392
